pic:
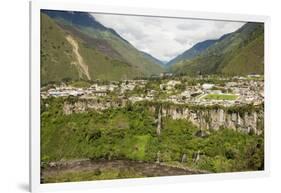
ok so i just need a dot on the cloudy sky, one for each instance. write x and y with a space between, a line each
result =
165 38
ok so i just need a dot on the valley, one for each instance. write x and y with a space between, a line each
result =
138 120
110 110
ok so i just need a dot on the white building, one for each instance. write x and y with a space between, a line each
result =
207 86
186 94
169 85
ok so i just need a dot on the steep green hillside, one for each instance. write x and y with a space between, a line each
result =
56 53
59 62
153 59
105 54
144 66
248 60
238 53
192 52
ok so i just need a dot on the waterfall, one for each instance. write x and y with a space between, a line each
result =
183 159
159 122
158 157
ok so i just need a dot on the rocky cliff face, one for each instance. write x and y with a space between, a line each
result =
81 106
250 121
214 119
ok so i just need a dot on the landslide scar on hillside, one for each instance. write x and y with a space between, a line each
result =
82 66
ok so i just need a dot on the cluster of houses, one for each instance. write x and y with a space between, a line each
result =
65 91
246 91
243 91
95 90
249 92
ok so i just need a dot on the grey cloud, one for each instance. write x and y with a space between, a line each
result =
181 40
188 25
165 38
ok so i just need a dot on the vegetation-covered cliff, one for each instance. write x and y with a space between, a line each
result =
130 133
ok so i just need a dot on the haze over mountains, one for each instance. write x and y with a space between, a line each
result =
76 46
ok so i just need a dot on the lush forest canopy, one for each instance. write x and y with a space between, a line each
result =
129 133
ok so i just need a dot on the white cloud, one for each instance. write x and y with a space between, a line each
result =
165 38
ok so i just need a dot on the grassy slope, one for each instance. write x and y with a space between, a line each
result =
143 65
56 53
104 67
249 59
191 53
239 53
100 51
57 56
103 61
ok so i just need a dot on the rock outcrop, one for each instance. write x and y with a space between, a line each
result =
248 121
214 119
84 105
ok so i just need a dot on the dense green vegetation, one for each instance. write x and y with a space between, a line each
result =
56 53
191 53
249 59
237 53
130 134
106 54
109 56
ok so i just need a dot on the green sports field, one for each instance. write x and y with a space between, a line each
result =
221 97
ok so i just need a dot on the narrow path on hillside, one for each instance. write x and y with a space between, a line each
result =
81 64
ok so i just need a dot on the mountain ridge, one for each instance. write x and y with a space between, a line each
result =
149 56
108 55
220 57
192 52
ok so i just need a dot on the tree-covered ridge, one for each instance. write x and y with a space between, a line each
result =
238 53
191 53
107 55
56 53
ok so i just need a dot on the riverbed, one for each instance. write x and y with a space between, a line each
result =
87 170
